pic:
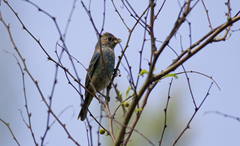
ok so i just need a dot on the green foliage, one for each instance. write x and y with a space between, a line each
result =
138 109
127 92
218 37
171 75
119 96
144 71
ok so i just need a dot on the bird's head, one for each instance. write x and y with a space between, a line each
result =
109 40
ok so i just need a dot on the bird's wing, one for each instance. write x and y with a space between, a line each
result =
92 67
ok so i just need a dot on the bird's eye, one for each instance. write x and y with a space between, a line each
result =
109 39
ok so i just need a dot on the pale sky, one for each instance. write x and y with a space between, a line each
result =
219 60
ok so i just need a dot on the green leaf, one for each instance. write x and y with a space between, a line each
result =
144 71
127 92
119 95
138 109
228 18
171 75
218 37
154 68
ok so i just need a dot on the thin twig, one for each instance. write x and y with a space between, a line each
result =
36 83
207 14
228 14
223 114
165 112
155 17
29 125
150 142
210 77
69 19
194 114
9 128
120 15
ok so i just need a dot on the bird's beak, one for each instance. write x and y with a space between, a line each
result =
117 41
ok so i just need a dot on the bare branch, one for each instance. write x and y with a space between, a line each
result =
9 128
223 114
196 110
207 14
165 113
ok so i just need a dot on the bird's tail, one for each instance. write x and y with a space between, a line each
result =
83 112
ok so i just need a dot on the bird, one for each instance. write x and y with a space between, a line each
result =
97 74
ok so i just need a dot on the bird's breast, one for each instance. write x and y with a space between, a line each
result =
104 73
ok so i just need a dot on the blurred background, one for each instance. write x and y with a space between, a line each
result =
219 60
